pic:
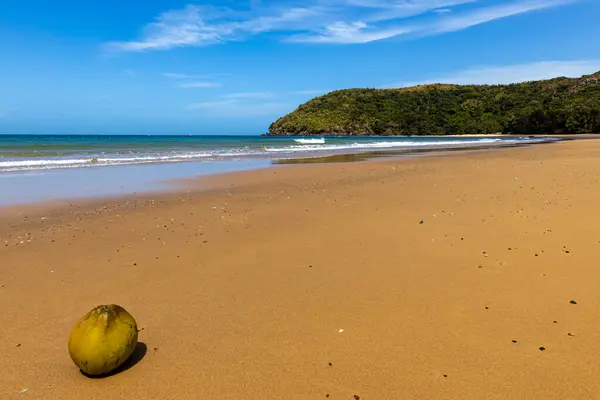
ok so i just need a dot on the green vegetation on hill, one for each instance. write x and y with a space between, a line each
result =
555 106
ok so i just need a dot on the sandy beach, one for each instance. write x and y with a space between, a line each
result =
461 276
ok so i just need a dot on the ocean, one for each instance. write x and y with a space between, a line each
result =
21 153
40 168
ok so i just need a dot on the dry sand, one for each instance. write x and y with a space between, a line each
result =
311 281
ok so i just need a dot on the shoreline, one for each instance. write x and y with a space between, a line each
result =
33 188
298 282
207 184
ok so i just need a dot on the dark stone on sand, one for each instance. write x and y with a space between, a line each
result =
573 302
514 341
542 348
421 222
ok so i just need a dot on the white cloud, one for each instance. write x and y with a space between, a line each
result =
322 21
249 95
496 75
189 85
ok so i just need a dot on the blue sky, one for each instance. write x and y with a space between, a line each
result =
232 67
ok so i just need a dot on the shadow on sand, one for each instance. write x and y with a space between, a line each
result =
138 354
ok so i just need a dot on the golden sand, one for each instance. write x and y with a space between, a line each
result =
420 278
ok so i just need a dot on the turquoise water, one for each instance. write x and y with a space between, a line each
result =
19 153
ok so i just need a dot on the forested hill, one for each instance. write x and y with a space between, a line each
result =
555 106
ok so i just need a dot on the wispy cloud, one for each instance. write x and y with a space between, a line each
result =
129 72
211 104
188 81
172 75
309 92
252 103
488 14
249 95
496 75
7 113
322 21
200 26
349 33
175 28
189 85
176 75
402 9
238 108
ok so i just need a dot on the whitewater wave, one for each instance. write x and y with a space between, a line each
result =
304 147
310 141
44 164
383 145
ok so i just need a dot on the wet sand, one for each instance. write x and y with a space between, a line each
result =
446 277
